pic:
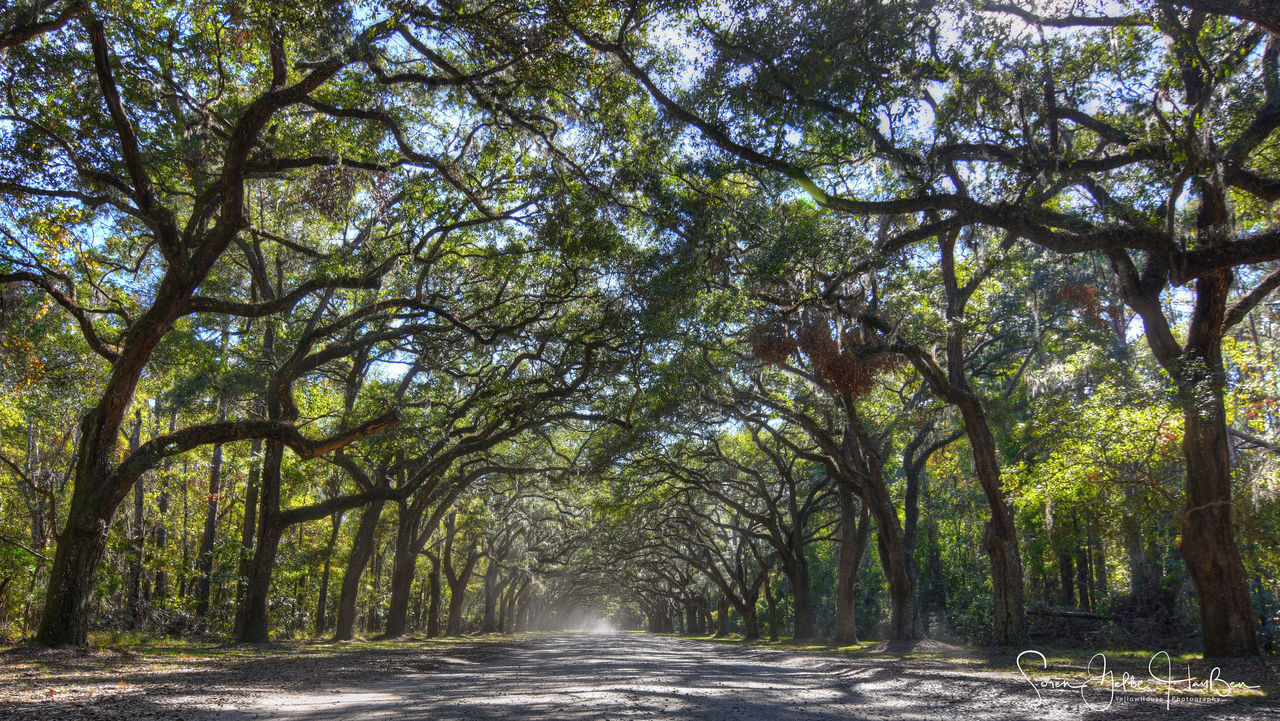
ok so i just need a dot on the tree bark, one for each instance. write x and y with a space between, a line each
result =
322 603
255 621
895 551
522 608
1082 578
457 579
1208 542
1208 545
1067 595
457 595
361 551
1009 618
160 538
1142 576
204 559
488 623
248 529
137 535
854 529
433 603
1101 582
772 604
802 598
403 564
1009 621
98 486
722 617
80 547
1260 12
750 619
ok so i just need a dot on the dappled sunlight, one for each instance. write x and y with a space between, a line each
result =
561 677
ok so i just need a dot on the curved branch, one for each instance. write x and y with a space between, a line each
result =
1259 293
149 454
68 302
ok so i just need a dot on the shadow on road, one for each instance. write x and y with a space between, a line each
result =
577 677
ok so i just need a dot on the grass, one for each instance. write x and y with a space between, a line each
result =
131 644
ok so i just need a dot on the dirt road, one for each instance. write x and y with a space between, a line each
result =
579 677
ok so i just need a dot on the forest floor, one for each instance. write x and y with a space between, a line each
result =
617 676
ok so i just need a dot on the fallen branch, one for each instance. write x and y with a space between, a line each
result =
1067 614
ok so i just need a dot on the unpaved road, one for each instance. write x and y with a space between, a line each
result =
577 677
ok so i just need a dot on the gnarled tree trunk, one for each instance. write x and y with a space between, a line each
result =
1208 542
254 618
361 551
853 539
403 564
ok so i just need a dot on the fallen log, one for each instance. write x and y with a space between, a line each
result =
1067 614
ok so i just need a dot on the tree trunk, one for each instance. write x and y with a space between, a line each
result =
433 603
1000 539
96 490
159 533
420 607
488 623
1068 592
322 602
361 550
802 598
853 540
137 536
160 538
71 581
1082 578
403 564
255 621
772 605
892 540
204 559
1142 576
1101 583
1208 544
904 617
248 529
504 605
522 608
722 617
750 620
457 594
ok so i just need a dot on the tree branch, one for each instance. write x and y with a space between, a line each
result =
1259 293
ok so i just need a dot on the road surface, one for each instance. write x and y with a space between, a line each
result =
580 677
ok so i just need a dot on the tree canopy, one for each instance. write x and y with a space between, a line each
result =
838 319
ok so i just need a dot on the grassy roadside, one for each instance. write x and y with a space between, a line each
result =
120 667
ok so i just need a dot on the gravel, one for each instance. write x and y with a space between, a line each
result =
569 677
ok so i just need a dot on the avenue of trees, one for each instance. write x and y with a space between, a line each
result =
843 320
